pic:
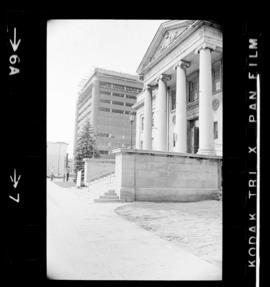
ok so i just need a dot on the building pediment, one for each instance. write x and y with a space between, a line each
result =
165 37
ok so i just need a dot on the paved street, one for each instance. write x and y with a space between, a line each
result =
87 240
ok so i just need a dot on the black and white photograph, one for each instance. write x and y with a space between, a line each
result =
134 150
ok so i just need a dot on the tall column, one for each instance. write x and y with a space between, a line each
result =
181 108
161 112
147 132
206 138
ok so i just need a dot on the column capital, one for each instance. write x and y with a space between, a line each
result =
147 87
182 64
204 46
163 77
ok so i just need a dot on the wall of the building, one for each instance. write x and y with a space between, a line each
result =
155 176
56 158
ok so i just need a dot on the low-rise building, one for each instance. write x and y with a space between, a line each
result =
56 158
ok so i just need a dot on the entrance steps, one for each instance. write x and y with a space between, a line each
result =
109 196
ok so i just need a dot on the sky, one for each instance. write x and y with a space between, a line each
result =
74 49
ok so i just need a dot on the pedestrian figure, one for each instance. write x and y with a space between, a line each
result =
52 175
67 173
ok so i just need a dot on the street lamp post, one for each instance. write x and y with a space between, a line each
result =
131 119
59 147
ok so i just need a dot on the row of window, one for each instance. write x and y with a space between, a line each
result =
119 95
116 103
84 100
85 108
114 144
108 135
106 152
117 111
84 117
119 87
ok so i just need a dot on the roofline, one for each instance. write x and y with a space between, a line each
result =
165 27
150 46
127 76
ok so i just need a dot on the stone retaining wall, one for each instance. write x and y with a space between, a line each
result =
166 176
97 167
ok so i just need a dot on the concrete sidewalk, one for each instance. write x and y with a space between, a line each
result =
89 241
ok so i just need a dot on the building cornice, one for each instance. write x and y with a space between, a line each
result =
100 72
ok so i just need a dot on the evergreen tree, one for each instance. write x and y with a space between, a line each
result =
85 148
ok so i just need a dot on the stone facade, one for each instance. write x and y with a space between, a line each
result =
166 176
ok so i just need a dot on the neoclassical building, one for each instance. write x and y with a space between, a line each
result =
180 108
178 155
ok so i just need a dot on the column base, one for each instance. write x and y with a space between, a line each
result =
181 149
206 152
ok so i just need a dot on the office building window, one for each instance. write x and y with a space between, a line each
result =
216 76
193 87
105 101
118 95
117 103
131 89
105 85
85 108
118 87
106 135
131 97
105 93
117 111
104 110
129 104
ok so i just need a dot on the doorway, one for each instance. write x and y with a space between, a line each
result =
194 135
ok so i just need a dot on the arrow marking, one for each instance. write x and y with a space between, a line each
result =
14 179
17 199
15 44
